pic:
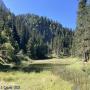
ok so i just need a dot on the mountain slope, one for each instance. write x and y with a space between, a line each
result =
37 37
3 5
31 27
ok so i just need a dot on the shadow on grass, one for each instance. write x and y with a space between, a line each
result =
30 68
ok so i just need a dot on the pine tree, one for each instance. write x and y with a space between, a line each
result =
80 43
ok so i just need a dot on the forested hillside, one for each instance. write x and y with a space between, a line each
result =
3 5
8 35
39 37
42 33
32 36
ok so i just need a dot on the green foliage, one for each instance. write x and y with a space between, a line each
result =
81 42
35 29
38 51
36 36
9 48
36 48
39 37
7 42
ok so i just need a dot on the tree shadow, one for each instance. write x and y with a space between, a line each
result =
30 68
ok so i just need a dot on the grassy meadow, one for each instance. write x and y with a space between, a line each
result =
53 74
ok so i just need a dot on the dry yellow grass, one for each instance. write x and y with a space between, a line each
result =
34 81
46 80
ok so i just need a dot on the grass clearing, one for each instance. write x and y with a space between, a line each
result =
78 73
44 80
54 74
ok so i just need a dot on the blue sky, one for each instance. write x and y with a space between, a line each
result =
63 11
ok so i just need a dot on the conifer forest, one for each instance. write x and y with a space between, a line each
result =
39 53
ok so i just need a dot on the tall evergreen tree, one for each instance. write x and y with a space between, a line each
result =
81 40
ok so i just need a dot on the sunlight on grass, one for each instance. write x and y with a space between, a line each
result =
56 61
36 81
66 74
76 66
